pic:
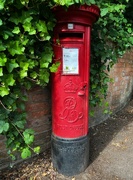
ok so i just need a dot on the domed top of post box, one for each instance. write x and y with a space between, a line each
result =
83 14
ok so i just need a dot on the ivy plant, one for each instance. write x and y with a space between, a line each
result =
25 58
26 29
111 37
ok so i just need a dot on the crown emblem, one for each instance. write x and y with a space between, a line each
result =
70 87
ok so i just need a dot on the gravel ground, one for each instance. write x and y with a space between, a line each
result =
111 152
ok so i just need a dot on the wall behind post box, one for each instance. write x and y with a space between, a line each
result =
38 118
120 90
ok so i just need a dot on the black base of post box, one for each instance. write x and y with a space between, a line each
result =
70 157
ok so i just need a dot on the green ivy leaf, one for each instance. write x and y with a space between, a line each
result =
47 38
20 124
106 111
43 64
3 59
23 74
2 2
46 57
15 47
37 149
41 26
44 76
28 136
16 30
26 18
104 12
32 31
4 126
24 65
9 80
4 91
33 75
27 27
25 153
129 30
54 67
11 65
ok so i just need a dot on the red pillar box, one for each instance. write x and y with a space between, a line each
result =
70 88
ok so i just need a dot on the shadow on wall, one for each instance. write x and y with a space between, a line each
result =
114 107
101 135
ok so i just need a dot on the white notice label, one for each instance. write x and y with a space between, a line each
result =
70 61
70 26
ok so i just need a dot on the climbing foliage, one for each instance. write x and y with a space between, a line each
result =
112 35
26 28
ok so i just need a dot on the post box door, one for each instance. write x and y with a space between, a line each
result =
70 91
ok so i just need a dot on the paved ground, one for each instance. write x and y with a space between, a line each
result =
111 149
111 154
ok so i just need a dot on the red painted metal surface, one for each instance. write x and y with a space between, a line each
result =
70 84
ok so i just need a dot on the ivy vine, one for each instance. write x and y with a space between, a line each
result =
25 58
111 37
26 28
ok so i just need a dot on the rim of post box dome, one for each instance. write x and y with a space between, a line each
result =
83 14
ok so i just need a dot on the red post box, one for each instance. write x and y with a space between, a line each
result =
70 88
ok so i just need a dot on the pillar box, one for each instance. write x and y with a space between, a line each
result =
70 88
